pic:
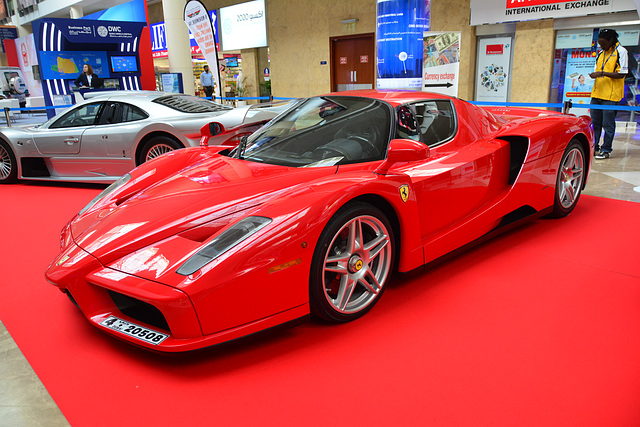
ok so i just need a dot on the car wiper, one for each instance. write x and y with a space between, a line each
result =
242 146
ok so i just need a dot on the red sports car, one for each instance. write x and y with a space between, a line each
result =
311 214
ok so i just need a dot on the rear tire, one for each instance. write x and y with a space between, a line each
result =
570 179
8 164
157 146
351 264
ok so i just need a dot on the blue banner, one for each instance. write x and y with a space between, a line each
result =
401 25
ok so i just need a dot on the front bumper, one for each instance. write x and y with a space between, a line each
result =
101 292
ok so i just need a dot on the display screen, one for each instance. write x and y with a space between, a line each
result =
124 64
232 62
243 26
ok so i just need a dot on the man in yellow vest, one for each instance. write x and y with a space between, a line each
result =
612 65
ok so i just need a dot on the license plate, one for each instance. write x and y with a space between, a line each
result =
133 330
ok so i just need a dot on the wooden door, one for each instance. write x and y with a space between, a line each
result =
352 60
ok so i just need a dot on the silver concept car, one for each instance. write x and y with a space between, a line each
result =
104 137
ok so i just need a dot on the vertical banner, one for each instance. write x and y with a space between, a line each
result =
197 19
577 83
493 69
400 25
441 62
28 60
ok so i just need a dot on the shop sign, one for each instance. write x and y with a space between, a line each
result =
629 37
574 39
495 49
343 59
496 11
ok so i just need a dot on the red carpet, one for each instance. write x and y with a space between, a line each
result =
540 326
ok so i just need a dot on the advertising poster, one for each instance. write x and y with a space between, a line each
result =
577 83
28 59
493 68
441 69
68 64
197 19
7 32
399 39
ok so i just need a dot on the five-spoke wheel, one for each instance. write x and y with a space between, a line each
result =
570 180
352 263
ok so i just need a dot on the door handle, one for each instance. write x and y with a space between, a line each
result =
351 76
355 76
71 141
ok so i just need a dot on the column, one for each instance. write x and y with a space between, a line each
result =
178 48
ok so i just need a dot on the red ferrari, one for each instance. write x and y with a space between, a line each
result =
313 213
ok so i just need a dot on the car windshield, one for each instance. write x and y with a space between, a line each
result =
322 131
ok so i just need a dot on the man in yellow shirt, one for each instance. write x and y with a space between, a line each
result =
612 65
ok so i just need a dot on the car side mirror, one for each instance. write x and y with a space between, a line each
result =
403 150
209 130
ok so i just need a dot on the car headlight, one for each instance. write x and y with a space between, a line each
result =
119 183
222 243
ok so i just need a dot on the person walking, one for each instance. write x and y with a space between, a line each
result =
612 65
206 80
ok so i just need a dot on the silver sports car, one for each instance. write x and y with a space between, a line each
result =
107 135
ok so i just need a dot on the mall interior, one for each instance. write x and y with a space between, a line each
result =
305 44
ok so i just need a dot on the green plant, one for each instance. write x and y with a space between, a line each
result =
242 89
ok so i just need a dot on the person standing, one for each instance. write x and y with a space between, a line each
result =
88 78
206 80
612 65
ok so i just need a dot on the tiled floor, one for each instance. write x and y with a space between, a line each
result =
24 402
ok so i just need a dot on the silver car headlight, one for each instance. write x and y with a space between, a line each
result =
119 183
229 238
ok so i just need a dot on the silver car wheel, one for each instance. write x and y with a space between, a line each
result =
357 264
158 150
571 178
6 164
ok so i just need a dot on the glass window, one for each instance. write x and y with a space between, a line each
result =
430 122
81 116
436 121
323 131
575 58
118 112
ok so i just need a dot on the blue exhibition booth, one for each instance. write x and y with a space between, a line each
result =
65 45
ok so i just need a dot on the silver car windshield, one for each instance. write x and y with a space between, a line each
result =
322 131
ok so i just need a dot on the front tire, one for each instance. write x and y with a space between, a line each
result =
570 180
351 264
157 146
8 164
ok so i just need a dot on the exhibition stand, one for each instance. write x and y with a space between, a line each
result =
65 45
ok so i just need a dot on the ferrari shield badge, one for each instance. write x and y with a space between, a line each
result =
404 192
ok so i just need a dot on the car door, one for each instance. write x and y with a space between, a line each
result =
64 136
116 130
461 176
